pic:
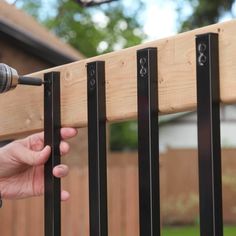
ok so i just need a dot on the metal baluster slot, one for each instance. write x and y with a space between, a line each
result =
209 149
97 148
148 142
52 125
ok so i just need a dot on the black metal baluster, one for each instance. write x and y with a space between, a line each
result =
148 143
209 150
52 125
97 148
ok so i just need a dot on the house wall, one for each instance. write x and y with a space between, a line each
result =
22 61
181 132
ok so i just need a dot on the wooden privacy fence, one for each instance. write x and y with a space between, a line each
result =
165 76
179 199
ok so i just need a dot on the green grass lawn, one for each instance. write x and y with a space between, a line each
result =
193 231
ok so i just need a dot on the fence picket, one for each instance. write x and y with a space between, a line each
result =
209 150
148 145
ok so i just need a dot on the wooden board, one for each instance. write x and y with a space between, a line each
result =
22 109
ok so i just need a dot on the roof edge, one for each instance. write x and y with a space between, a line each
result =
33 45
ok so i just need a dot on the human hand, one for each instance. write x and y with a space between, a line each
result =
22 165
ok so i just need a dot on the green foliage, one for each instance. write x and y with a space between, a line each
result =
205 12
123 136
29 6
79 27
93 31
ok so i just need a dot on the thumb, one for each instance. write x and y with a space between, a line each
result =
35 158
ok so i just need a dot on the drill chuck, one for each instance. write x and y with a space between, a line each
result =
9 79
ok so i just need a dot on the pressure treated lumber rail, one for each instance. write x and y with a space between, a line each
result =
22 109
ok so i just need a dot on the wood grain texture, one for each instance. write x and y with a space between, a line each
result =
22 109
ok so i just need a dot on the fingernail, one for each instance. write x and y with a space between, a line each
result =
61 167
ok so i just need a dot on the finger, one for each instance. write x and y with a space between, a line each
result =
64 148
68 132
34 141
33 158
64 195
60 171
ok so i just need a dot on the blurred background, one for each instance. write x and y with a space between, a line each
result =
38 34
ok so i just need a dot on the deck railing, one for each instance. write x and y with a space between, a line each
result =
192 70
